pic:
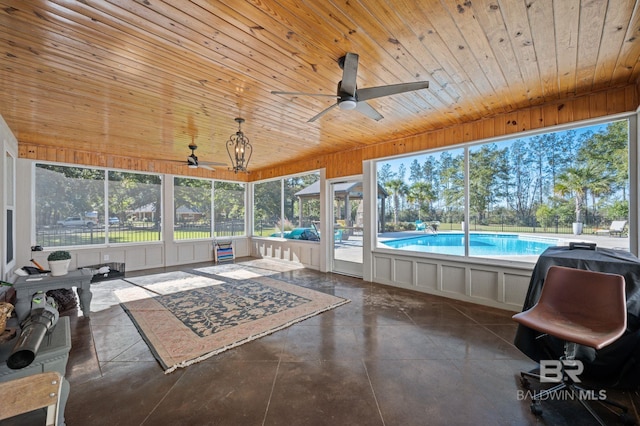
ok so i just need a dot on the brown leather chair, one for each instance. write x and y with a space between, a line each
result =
579 307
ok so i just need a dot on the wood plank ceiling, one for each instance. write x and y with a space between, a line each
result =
146 78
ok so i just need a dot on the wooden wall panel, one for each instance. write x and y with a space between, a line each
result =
348 163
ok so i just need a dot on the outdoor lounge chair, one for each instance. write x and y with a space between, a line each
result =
617 228
427 227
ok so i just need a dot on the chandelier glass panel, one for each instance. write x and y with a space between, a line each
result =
239 149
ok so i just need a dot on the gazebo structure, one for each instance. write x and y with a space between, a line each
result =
344 193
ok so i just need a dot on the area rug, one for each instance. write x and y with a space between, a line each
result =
185 327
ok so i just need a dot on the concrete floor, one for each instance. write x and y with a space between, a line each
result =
390 357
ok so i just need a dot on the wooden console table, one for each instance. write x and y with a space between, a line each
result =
26 287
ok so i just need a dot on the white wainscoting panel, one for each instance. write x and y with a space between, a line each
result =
472 280
306 253
484 284
453 279
427 275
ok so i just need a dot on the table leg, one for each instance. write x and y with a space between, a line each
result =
85 296
64 395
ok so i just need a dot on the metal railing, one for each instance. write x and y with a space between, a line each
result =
129 232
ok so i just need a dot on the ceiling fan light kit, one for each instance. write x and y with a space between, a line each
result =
348 104
239 149
193 163
350 98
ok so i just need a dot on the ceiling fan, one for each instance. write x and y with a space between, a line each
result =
193 163
350 97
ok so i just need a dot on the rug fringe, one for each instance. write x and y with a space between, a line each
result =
208 355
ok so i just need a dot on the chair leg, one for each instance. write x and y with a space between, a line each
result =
577 392
531 374
623 414
543 394
536 409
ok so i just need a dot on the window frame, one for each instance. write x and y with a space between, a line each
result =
632 183
282 212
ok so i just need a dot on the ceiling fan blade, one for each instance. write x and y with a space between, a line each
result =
206 167
211 163
315 117
368 110
275 92
392 89
349 73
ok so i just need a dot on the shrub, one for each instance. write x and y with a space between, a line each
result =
288 226
59 255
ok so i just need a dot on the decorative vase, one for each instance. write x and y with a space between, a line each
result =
59 267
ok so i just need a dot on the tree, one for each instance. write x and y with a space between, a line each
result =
487 168
132 191
545 215
402 171
385 174
416 174
194 194
267 197
228 201
451 182
420 193
64 191
398 189
610 147
574 181
291 201
522 182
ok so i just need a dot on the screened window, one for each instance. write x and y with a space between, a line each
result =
229 208
277 216
267 198
425 190
191 208
71 208
301 211
525 195
135 199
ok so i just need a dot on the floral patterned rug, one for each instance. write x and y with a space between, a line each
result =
186 318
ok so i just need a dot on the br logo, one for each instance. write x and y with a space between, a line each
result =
551 371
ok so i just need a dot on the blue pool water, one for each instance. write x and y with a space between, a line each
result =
479 244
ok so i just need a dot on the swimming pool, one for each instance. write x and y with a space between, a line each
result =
479 244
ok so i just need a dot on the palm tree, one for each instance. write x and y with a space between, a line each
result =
398 189
420 193
601 184
575 181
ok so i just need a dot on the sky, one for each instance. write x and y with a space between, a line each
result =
395 163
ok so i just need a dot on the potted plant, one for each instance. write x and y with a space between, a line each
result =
59 262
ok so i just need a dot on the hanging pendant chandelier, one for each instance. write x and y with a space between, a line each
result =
239 149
